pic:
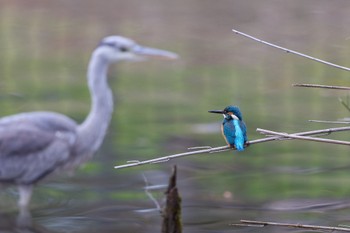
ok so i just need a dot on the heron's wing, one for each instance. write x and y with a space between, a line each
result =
48 121
33 147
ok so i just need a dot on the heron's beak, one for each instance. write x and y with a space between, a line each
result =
217 111
145 52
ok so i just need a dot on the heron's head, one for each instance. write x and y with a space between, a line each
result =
118 48
230 112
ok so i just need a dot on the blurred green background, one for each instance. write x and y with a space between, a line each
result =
161 106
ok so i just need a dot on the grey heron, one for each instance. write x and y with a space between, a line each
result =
34 145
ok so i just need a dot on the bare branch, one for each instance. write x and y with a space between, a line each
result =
291 51
324 140
322 86
251 223
330 122
169 157
134 163
306 133
149 194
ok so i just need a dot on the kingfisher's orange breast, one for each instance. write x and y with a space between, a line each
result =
222 132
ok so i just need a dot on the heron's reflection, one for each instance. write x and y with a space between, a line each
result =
20 222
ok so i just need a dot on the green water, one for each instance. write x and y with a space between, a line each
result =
161 109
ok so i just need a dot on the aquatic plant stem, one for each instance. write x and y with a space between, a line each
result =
291 51
324 140
251 223
322 86
330 122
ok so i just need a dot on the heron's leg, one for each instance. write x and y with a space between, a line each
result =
25 194
24 218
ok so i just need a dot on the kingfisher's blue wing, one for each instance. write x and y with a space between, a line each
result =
244 130
235 133
229 132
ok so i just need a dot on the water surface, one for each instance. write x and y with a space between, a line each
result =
162 109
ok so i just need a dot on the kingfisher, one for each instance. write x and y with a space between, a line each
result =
233 127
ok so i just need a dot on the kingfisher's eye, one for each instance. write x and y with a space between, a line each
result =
124 49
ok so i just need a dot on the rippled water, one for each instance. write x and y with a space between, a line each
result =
96 204
44 52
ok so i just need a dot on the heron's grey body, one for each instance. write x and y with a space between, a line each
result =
36 144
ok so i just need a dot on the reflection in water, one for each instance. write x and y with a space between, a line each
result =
21 223
108 219
44 48
199 214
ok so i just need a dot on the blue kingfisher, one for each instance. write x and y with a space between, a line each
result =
233 127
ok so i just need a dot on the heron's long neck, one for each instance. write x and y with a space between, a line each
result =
93 130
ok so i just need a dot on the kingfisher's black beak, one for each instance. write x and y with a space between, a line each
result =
217 111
